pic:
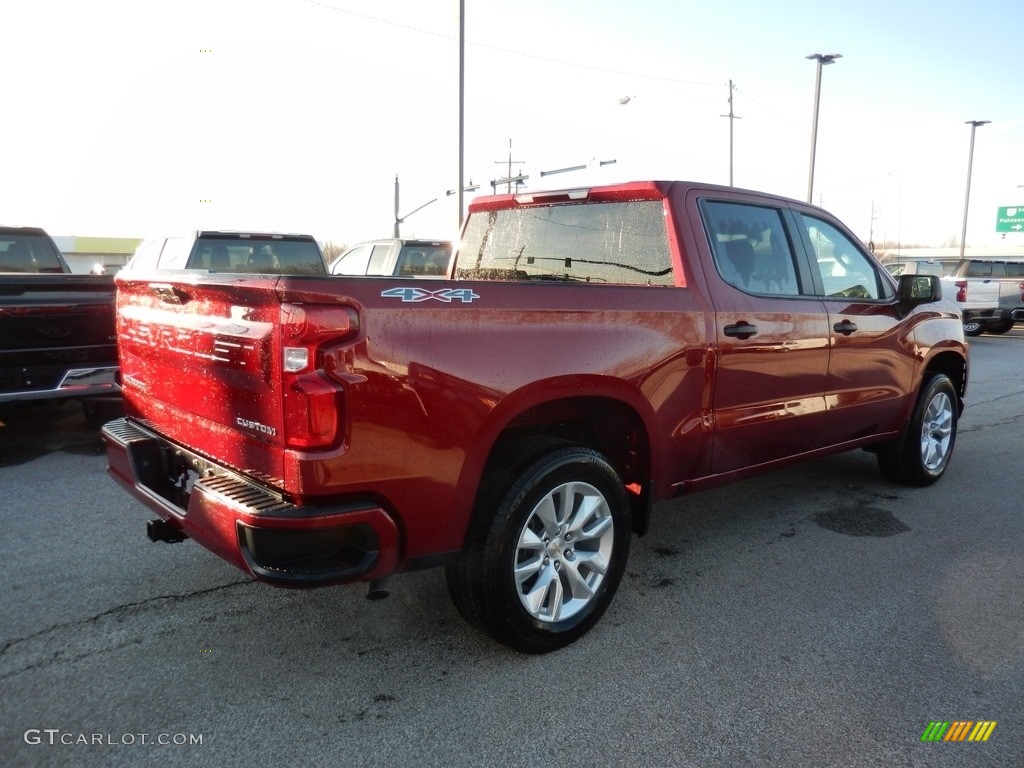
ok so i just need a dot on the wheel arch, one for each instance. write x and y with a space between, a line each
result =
954 365
605 415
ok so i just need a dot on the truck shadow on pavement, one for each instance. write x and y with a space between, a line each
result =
29 431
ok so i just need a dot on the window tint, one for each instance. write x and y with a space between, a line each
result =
981 268
412 260
296 257
424 259
750 247
845 271
257 255
615 243
985 269
28 253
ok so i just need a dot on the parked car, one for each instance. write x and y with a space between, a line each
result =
57 336
920 267
977 297
1009 274
396 257
223 251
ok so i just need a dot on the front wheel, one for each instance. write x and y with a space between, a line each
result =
921 454
973 328
547 548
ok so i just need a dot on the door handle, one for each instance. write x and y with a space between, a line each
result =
846 327
740 330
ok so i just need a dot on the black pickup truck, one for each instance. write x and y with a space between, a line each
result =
57 336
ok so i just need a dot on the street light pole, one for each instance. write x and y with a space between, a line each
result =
822 59
462 105
967 197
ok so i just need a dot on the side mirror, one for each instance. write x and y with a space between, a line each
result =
919 289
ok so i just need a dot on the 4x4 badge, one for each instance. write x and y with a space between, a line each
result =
447 295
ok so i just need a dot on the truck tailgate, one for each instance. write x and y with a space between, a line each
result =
205 368
50 323
974 293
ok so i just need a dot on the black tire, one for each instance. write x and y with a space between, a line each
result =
547 546
1000 327
921 454
973 328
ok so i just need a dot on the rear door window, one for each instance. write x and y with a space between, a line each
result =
750 248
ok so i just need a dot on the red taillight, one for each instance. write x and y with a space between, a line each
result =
1021 286
312 410
312 400
312 324
961 290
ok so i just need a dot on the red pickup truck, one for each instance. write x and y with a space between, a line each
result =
593 351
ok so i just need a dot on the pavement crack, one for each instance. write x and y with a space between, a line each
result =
36 644
998 398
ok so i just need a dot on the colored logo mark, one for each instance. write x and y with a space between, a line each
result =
958 730
447 295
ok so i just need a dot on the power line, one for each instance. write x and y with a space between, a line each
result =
510 51
766 109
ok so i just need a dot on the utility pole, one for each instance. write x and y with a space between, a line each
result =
732 118
398 221
510 162
871 229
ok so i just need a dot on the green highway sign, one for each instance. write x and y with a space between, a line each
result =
1010 219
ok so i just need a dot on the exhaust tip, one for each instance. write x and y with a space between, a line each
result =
378 590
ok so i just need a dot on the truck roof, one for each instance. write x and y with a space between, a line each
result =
631 190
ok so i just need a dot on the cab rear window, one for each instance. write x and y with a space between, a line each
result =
28 253
260 256
612 243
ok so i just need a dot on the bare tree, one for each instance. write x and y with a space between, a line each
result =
332 251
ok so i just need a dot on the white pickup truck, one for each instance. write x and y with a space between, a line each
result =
977 297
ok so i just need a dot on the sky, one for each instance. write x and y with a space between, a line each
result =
135 118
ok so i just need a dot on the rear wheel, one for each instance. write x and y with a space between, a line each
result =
973 328
921 454
547 548
1001 327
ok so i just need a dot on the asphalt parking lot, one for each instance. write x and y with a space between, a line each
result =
817 616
